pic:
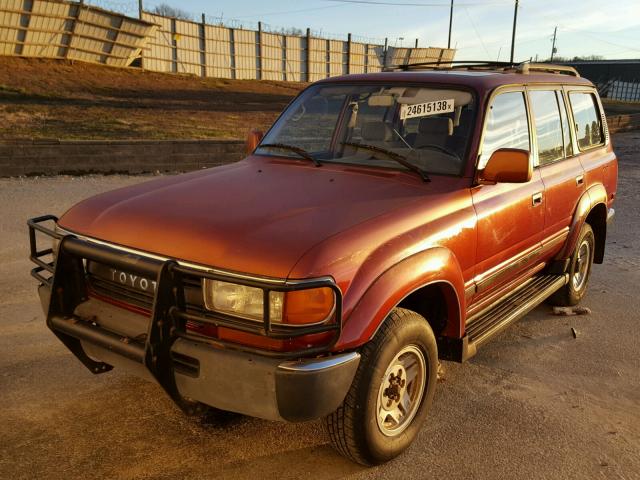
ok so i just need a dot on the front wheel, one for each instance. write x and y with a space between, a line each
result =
391 393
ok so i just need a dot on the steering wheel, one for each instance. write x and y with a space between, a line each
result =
439 148
296 117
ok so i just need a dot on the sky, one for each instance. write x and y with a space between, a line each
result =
481 28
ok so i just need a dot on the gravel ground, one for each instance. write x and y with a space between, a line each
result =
534 403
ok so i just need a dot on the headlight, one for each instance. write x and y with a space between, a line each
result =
239 300
302 307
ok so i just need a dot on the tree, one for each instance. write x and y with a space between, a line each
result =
585 58
292 31
168 11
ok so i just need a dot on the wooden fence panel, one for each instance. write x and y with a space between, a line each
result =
245 54
158 52
272 56
47 26
218 51
317 59
337 57
75 30
187 43
296 66
357 57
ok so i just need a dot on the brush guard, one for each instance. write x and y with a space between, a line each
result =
68 288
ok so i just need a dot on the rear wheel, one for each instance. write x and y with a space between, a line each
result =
391 393
579 270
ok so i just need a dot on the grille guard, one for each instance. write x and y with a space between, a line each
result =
68 286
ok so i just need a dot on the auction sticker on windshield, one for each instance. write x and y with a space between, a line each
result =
427 108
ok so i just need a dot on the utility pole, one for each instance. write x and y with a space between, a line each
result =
553 45
450 24
140 9
513 34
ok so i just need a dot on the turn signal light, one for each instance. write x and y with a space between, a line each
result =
304 307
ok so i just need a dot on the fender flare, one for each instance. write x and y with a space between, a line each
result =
437 265
594 195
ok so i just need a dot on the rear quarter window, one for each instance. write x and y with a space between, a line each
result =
587 119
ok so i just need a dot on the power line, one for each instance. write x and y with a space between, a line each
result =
303 10
538 11
477 32
394 4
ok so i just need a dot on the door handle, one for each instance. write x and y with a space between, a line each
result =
579 180
536 199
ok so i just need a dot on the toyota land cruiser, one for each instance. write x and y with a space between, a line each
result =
385 222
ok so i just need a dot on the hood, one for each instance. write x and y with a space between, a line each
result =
256 216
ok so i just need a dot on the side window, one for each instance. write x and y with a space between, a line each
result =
587 118
506 125
546 115
566 132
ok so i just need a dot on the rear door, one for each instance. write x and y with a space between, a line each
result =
592 142
556 158
510 215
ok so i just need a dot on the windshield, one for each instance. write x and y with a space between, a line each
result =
426 128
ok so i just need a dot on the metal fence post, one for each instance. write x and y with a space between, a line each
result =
174 47
259 52
366 58
384 52
232 53
348 54
203 47
308 55
327 58
284 57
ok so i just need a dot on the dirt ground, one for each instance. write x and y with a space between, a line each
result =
533 404
54 99
63 100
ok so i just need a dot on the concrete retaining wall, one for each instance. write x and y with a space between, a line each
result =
621 123
108 156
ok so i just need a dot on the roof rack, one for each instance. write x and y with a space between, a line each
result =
527 67
452 64
524 68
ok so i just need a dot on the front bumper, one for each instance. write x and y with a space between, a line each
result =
242 382
193 370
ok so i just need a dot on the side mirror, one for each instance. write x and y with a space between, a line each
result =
253 139
508 165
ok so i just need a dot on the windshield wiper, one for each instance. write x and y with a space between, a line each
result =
393 156
300 151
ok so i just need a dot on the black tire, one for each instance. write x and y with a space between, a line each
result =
572 292
354 427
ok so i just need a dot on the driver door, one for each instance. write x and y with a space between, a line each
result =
510 216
